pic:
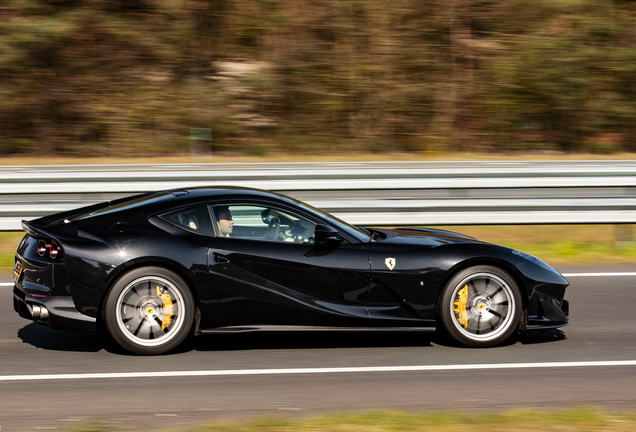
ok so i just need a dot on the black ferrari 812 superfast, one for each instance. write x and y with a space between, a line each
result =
152 269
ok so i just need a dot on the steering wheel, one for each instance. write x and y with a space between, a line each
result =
297 232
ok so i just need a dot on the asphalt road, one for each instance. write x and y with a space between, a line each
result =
602 329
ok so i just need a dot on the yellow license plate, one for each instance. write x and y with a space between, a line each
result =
17 269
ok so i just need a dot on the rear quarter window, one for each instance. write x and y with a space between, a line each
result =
196 219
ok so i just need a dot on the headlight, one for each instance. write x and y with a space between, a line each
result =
533 259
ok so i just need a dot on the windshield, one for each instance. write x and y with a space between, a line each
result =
339 224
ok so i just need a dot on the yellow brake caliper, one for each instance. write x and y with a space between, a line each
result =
168 310
461 306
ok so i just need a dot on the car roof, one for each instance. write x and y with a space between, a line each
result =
157 202
206 191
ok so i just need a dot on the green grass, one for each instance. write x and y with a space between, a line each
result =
8 242
555 244
521 420
563 244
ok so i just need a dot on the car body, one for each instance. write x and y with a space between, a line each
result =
154 268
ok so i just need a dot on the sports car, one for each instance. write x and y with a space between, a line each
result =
152 269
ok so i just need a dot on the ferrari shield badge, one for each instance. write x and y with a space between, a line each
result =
390 263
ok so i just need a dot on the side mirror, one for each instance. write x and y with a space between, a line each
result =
326 234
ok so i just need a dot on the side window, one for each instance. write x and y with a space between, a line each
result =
195 219
261 222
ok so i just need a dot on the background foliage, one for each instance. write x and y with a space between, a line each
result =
118 77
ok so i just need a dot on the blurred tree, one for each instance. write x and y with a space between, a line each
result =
132 76
556 78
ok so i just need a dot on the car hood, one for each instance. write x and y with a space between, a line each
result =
423 237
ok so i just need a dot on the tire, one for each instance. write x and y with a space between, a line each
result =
149 310
481 306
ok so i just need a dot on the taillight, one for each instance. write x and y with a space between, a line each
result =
55 250
51 247
42 247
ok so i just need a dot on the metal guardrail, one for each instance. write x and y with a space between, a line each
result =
383 193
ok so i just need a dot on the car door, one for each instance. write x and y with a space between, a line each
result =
269 270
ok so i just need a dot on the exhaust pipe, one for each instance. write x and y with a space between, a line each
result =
40 312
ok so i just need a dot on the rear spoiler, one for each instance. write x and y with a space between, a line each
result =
58 218
33 230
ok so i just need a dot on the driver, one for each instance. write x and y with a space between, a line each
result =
224 222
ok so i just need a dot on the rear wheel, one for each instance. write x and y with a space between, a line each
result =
149 310
481 306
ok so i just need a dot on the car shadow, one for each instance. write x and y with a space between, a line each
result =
540 337
47 338
528 338
308 340
43 337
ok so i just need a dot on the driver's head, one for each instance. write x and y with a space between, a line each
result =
224 221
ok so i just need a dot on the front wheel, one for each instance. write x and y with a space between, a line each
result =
481 306
149 310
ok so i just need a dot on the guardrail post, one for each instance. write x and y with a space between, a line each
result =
624 235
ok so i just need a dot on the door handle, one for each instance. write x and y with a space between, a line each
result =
220 258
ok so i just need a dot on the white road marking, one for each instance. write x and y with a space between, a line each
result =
300 371
5 284
599 274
